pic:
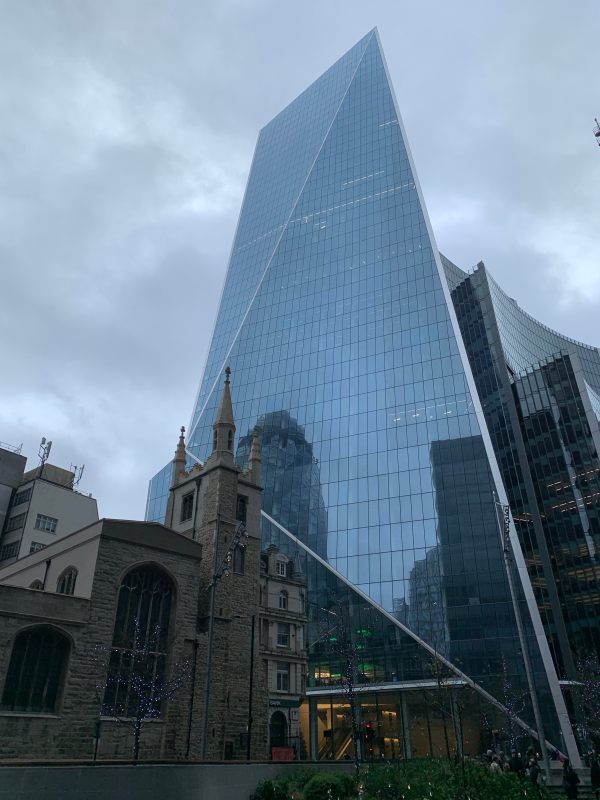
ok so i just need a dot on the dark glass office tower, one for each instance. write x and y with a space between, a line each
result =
337 323
540 393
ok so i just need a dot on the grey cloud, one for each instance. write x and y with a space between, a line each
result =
128 130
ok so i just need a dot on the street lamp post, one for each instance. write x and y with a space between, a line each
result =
240 539
250 688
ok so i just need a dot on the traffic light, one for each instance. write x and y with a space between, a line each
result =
368 731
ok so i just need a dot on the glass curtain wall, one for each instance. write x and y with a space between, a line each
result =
537 392
335 324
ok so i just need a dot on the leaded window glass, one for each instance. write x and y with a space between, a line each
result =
66 581
36 671
140 646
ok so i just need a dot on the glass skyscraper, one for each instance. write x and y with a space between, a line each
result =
540 393
346 355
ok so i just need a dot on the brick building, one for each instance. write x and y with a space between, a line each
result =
120 605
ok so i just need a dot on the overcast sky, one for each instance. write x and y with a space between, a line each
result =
127 133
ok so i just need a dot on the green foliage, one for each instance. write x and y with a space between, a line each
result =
442 780
294 781
419 779
329 786
288 785
269 790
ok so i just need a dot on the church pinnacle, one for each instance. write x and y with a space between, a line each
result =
179 459
224 425
255 458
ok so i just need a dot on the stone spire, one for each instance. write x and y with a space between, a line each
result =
224 426
225 412
255 458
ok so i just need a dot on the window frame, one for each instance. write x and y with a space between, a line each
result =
10 550
25 675
23 496
67 580
239 560
15 523
282 671
281 568
186 500
118 699
284 600
241 508
48 529
283 635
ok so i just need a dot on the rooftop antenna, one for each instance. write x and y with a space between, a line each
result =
44 451
597 131
77 473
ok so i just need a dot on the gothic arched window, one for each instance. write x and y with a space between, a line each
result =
230 440
138 655
239 559
66 581
36 671
283 600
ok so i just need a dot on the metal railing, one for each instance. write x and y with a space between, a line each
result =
11 447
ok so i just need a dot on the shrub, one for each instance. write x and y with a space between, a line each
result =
269 790
442 780
329 786
294 781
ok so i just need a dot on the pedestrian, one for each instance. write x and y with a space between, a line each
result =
570 781
534 771
516 763
595 777
495 767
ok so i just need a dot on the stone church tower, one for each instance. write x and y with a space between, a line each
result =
218 505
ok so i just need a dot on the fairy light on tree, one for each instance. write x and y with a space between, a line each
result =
133 678
515 702
337 634
587 691
136 683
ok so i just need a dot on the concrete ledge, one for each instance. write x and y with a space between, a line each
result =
231 781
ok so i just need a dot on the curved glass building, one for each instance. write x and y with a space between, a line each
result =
346 353
540 393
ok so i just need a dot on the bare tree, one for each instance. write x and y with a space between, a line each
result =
586 690
134 683
336 633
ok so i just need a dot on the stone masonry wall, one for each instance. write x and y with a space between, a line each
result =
71 732
236 602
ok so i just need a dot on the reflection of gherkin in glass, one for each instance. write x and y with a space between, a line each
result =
291 482
337 323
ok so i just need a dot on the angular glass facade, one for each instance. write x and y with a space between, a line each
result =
539 392
338 326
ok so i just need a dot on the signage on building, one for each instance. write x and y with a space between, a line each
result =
282 753
284 703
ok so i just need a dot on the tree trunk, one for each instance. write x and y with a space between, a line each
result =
137 731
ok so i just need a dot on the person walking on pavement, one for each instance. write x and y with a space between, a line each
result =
516 763
495 767
570 781
533 770
595 777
